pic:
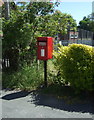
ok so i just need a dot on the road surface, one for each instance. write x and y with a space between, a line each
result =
19 104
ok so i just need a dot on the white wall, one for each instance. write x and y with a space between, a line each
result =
86 42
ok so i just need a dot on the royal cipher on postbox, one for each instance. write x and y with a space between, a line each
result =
44 48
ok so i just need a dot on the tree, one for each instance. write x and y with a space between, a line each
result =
57 23
7 7
64 22
19 32
27 22
87 24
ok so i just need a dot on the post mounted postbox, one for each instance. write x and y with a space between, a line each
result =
45 48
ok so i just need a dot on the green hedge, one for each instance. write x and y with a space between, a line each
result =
75 64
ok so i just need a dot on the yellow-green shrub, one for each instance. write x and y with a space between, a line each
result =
75 63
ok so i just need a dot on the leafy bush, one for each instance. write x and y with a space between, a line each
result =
75 64
28 78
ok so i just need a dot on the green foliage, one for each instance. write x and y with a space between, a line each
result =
28 78
75 64
17 37
87 24
53 24
64 22
16 33
21 30
27 22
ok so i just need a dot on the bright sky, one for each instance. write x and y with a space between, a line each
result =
77 9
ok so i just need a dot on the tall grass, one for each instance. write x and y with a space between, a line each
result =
27 78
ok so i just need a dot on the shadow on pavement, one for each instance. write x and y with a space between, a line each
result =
15 95
53 102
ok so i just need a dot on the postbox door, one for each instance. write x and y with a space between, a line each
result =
42 50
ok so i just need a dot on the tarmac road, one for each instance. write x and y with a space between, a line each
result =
19 104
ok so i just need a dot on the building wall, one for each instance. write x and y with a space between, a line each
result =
86 42
73 35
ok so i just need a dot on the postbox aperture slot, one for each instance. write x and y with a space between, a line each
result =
42 43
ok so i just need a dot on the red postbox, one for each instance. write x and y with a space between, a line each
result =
45 48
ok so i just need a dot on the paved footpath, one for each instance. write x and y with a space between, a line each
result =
18 104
